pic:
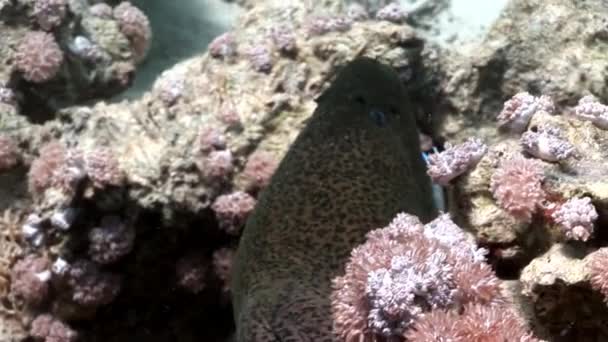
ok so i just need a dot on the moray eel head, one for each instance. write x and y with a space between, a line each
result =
368 94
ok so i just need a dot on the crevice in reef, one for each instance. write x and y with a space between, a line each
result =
151 306
32 104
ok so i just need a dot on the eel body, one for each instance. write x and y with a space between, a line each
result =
355 165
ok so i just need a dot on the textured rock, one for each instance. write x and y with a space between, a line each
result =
550 47
580 175
154 139
556 288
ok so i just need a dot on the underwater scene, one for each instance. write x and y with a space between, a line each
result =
303 170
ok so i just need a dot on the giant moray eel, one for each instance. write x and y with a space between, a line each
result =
355 165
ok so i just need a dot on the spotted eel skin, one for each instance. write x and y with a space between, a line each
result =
354 166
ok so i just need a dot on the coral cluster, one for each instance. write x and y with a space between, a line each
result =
134 25
533 190
232 210
50 13
406 270
191 271
39 57
64 169
112 240
30 279
9 153
476 323
518 111
455 160
590 109
516 186
70 52
49 329
547 143
577 217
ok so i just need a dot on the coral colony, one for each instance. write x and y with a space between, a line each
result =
119 219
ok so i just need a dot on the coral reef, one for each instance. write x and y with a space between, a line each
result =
120 219
521 202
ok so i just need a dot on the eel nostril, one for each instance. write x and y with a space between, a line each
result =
378 117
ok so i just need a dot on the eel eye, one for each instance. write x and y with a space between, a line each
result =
378 117
393 110
360 100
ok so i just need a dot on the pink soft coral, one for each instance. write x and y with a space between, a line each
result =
30 278
50 13
232 210
590 109
518 111
597 265
191 271
455 160
404 271
103 168
50 329
43 169
111 240
478 323
547 143
516 186
9 153
135 25
38 57
258 170
576 217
